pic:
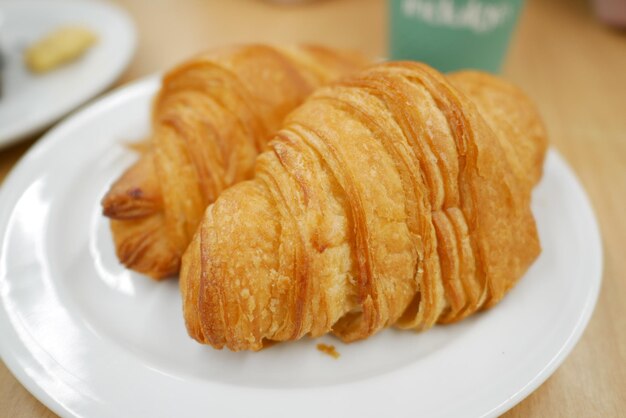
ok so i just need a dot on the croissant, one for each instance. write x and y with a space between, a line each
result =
211 118
395 197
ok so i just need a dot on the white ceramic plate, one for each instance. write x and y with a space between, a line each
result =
31 102
89 338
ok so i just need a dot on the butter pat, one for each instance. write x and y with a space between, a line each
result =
59 47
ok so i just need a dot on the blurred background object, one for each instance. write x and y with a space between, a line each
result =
612 12
290 2
453 34
38 33
191 26
1 55
63 45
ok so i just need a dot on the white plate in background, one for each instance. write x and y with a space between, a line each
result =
31 102
91 339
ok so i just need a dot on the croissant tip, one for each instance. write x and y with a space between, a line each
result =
132 204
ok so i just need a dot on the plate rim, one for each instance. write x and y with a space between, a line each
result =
147 85
95 89
56 133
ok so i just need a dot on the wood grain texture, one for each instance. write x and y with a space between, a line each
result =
572 66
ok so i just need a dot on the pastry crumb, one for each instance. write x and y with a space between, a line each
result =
329 350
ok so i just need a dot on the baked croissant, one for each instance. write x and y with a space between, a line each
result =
396 197
211 118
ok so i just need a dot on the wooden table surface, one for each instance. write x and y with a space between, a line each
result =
572 66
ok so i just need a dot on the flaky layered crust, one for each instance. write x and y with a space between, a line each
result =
212 117
397 197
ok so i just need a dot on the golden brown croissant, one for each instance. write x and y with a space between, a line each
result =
212 117
396 197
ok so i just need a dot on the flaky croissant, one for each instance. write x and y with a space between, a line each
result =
211 118
396 197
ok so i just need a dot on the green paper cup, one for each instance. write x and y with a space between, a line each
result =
453 34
